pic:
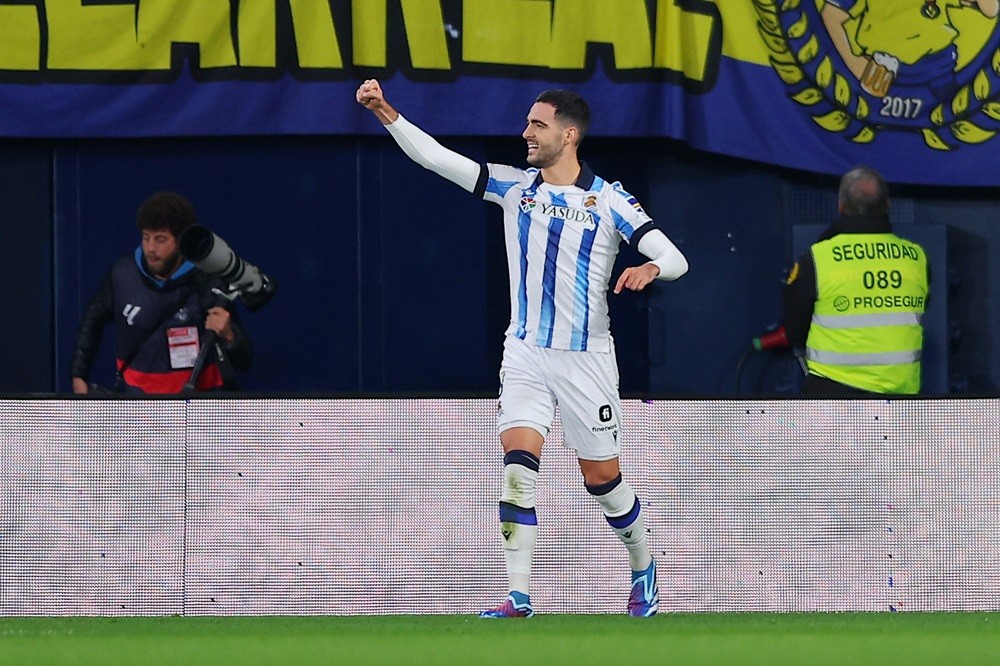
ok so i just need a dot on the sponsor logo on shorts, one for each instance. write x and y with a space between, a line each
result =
612 428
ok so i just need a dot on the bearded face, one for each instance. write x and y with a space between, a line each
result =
546 136
161 253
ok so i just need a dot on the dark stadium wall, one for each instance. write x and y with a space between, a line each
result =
392 280
26 289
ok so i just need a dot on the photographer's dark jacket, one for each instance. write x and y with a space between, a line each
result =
152 317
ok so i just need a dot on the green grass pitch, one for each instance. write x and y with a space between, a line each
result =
950 639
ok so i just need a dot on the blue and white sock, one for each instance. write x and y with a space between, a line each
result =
624 513
518 522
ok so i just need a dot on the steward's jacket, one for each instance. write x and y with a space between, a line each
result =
855 302
159 326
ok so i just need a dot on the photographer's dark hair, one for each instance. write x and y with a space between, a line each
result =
569 107
166 210
863 192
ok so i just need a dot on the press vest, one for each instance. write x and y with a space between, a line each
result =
138 307
871 293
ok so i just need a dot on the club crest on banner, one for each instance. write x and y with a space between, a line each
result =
862 67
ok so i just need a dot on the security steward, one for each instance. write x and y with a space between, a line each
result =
854 302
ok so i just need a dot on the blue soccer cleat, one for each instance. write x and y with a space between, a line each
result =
517 604
644 599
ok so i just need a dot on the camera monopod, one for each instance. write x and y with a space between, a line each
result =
213 255
210 343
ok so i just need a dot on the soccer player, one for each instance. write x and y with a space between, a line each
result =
563 226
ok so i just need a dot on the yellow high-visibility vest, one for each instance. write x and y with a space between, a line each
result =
871 293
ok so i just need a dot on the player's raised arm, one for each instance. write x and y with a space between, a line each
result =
370 96
419 146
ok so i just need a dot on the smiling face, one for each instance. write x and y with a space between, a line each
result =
547 137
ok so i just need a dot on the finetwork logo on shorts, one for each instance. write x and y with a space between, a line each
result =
606 414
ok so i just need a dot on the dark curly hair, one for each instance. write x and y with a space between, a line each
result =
166 210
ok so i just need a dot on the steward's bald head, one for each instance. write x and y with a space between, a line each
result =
863 192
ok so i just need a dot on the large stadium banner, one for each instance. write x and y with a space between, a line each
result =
911 87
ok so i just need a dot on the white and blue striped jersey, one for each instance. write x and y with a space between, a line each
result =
561 242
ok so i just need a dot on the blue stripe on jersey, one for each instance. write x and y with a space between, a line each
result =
499 187
547 310
581 306
622 225
523 225
581 309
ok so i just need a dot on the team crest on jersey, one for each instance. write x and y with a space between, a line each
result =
590 201
902 66
527 205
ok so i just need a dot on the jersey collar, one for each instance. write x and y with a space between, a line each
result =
584 181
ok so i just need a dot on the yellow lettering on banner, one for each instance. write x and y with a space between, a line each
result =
556 34
740 40
20 38
205 23
425 35
315 38
368 21
139 35
624 24
506 32
424 24
93 37
115 38
683 40
256 26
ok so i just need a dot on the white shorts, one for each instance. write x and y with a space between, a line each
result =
584 385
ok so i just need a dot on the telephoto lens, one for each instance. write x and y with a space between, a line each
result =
210 253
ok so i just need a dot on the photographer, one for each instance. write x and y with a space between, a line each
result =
162 305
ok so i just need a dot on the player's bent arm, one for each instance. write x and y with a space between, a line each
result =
663 254
424 149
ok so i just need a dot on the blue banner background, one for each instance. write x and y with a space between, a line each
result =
746 112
